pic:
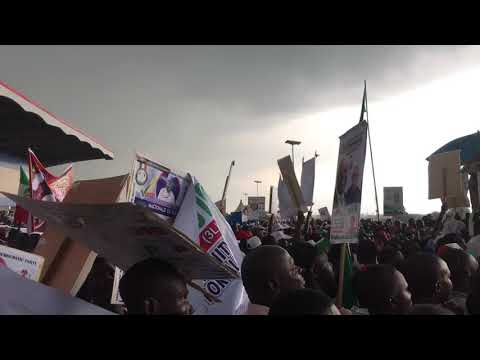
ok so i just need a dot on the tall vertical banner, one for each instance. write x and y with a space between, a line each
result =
393 201
201 220
307 181
348 185
160 189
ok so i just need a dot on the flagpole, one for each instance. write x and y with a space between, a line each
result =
30 216
371 154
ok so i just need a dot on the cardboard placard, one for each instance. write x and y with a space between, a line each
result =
444 177
68 261
126 234
290 179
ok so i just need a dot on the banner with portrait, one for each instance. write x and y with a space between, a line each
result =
348 186
393 201
158 188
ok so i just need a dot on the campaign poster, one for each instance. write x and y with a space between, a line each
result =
158 188
348 186
23 263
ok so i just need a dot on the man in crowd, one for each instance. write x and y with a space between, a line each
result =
428 277
462 267
382 290
302 302
266 272
154 287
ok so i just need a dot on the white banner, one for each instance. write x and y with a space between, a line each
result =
201 220
348 186
286 207
307 181
290 179
23 263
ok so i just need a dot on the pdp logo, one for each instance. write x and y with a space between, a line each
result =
209 236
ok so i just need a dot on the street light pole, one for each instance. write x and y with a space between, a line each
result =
257 182
246 199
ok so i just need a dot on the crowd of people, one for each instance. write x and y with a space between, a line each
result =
428 266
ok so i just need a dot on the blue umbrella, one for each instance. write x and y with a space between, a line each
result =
469 147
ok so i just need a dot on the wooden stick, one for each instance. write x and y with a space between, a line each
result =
209 297
341 275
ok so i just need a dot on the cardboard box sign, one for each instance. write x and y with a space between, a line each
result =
444 178
69 261
126 234
288 174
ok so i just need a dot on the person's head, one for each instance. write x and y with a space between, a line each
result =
170 185
318 271
457 217
267 271
269 240
382 290
155 287
462 267
367 252
300 302
428 278
419 224
430 309
390 255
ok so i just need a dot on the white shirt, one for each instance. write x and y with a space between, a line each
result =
166 196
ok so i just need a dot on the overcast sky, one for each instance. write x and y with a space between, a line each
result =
196 108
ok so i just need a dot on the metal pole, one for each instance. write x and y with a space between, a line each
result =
293 157
371 154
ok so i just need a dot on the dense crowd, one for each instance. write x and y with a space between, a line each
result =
424 266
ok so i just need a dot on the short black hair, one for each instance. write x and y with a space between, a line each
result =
301 302
421 271
457 261
142 279
367 252
257 268
388 256
430 309
374 285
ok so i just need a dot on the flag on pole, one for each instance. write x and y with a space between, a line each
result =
364 102
45 186
21 215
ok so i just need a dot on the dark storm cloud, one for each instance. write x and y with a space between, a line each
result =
181 104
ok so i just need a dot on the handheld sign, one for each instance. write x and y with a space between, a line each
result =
23 263
288 174
126 234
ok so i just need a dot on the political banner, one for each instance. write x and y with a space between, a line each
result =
324 214
21 215
201 220
125 234
348 185
307 181
23 263
158 188
393 201
290 179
